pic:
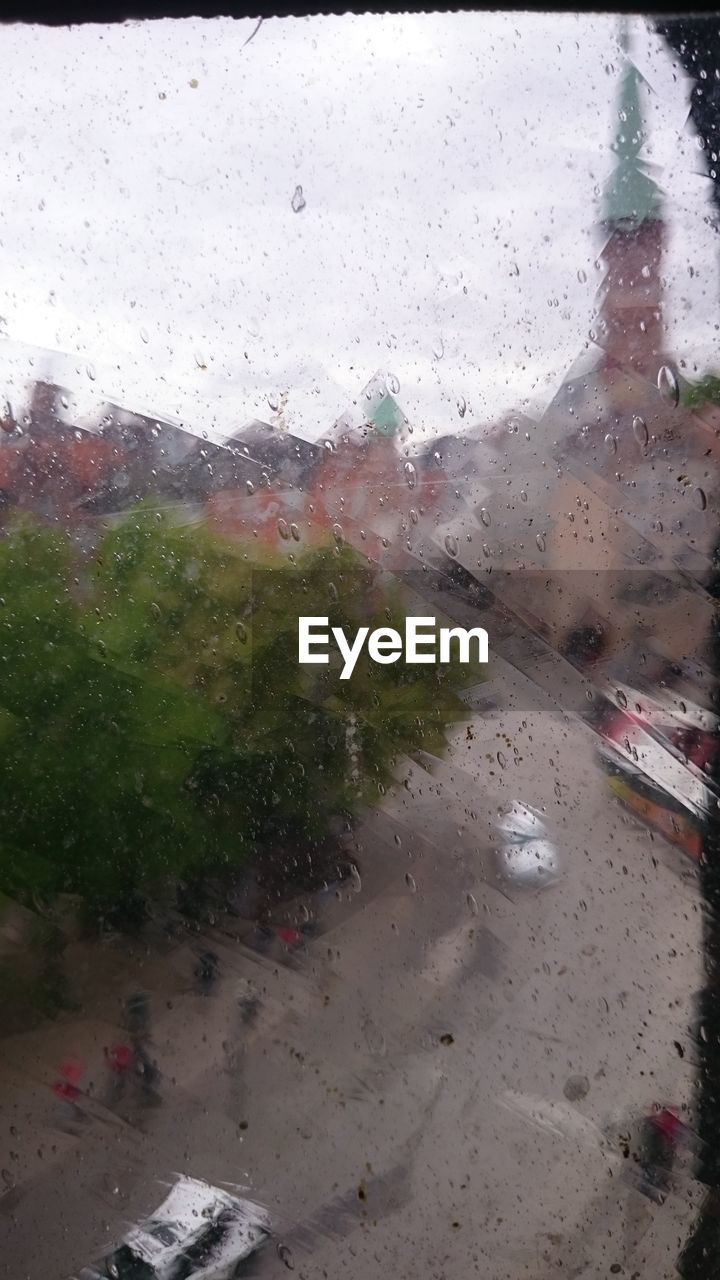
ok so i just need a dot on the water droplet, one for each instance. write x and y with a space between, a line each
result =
284 1253
640 431
241 632
523 496
338 534
410 882
156 611
200 360
501 759
250 486
414 515
485 517
393 384
451 544
462 406
90 371
582 276
295 532
64 402
439 349
576 1088
356 880
700 498
333 591
283 529
437 459
410 475
298 201
273 402
540 541
668 386
610 443
145 336
622 700
472 905
514 269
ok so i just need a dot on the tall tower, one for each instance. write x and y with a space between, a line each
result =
631 325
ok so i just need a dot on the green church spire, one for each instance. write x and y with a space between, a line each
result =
630 196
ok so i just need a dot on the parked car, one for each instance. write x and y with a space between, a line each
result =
525 855
199 1232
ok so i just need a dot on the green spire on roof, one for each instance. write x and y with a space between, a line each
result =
383 411
630 196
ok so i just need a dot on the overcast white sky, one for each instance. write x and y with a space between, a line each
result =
450 165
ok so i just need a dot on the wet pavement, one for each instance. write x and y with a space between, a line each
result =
424 1044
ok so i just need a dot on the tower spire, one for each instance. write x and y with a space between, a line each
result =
631 324
630 196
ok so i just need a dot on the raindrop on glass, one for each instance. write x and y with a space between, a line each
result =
393 384
295 532
410 475
462 406
298 200
338 534
668 386
250 486
622 700
485 516
410 882
273 402
241 632
540 541
90 371
610 443
640 431
156 611
700 499
145 336
283 529
284 1252
451 544
414 515
472 905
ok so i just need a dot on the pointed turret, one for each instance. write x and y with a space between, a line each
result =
630 325
630 196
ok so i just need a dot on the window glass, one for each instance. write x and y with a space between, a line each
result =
359 845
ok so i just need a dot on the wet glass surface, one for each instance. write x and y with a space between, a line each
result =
372 966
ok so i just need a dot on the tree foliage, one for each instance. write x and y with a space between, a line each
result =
154 721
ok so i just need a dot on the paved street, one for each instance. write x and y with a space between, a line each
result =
405 1102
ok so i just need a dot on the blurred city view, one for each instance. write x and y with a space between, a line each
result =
414 973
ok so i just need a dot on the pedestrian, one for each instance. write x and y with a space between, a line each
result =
206 971
67 1090
119 1059
662 1130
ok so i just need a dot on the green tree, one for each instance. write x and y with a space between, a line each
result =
155 724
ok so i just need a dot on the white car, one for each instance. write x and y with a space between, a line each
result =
526 856
199 1232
